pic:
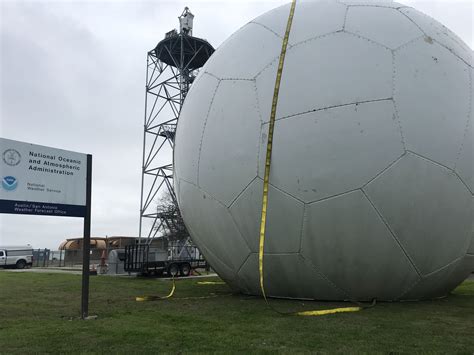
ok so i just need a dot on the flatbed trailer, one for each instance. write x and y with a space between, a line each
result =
149 261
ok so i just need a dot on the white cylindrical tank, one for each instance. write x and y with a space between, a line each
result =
371 184
116 262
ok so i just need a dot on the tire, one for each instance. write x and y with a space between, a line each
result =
20 264
173 270
185 269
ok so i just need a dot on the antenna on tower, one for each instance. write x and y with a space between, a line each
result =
186 22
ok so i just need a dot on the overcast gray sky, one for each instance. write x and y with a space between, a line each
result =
72 77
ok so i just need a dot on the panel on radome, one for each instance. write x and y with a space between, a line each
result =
249 277
431 93
212 226
470 250
440 33
461 273
244 54
190 128
316 18
276 19
329 79
288 276
284 219
229 152
465 162
334 151
386 26
311 19
410 196
265 84
224 272
345 238
438 284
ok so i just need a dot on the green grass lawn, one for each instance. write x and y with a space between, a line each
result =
39 313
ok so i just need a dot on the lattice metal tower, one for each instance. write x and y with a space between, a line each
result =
171 68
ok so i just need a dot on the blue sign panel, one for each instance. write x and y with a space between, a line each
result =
41 208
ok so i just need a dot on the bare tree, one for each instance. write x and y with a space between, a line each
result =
172 225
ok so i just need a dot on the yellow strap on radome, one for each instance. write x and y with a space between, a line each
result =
266 177
268 158
156 298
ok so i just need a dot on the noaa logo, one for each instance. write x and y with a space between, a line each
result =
9 183
11 157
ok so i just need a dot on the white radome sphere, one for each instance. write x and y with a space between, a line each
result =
371 179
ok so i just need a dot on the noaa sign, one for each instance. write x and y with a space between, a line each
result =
41 180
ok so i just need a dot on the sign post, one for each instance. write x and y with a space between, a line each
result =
86 242
39 180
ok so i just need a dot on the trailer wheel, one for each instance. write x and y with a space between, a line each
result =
173 270
20 264
185 269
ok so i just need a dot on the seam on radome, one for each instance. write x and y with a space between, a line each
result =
367 39
267 28
394 101
442 166
303 223
236 79
413 40
241 266
385 169
466 129
261 125
325 278
392 233
332 196
213 75
332 107
241 192
204 129
435 40
345 18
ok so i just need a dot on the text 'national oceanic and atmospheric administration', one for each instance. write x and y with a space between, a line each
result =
53 164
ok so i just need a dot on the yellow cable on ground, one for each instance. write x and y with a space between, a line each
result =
202 297
328 311
266 177
210 283
156 298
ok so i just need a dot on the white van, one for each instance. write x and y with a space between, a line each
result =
16 256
